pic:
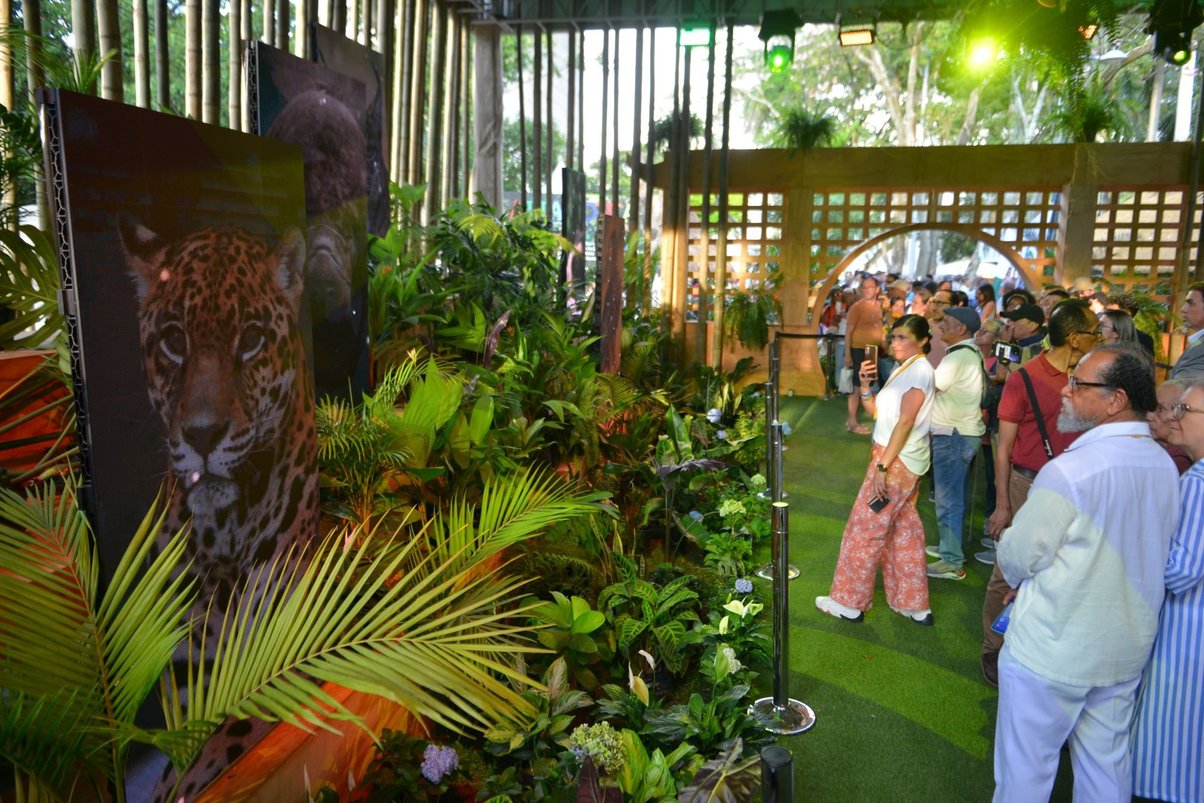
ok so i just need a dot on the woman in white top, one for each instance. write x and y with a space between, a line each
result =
884 527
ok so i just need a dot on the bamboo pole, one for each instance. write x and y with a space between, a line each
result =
451 110
704 262
211 71
669 301
721 246
234 85
550 149
269 22
468 47
418 92
366 22
646 301
283 12
7 76
580 99
522 116
140 21
162 58
83 32
570 101
602 175
192 58
633 214
614 162
112 83
247 34
404 45
434 201
537 123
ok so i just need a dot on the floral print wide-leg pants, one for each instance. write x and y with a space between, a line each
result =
893 537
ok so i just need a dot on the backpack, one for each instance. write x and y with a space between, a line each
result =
991 390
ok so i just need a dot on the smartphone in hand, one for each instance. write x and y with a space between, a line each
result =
878 504
871 354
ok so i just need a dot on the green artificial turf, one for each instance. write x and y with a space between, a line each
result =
901 710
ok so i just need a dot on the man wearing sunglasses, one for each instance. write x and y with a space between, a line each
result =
1028 439
1087 553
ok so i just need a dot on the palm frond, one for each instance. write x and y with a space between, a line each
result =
29 285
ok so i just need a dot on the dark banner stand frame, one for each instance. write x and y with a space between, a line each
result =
782 715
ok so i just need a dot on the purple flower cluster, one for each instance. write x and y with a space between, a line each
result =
744 586
438 761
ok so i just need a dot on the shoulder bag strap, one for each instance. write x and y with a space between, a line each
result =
1032 397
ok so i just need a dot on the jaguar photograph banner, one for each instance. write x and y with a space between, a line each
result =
322 112
182 251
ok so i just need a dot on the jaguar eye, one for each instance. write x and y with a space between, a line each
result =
173 342
251 341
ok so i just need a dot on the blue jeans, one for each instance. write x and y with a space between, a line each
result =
951 457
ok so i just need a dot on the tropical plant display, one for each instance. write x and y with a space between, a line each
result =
512 550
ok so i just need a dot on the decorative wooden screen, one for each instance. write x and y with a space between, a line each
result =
754 244
1137 235
1026 220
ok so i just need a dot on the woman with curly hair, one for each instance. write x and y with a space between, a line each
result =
884 527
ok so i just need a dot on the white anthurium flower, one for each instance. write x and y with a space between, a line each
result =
651 661
723 626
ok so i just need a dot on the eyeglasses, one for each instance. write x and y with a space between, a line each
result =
1180 410
1075 383
1097 333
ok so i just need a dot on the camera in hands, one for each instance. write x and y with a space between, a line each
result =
1007 351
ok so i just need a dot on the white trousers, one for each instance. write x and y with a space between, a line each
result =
1037 715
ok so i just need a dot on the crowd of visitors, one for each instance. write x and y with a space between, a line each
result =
1093 617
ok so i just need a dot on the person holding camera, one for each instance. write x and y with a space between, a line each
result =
863 328
884 527
1028 439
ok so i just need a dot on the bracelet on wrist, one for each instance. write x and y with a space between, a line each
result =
868 394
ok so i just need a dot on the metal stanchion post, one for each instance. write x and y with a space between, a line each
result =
777 775
773 471
781 714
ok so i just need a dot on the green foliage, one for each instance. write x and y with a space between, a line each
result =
668 130
577 633
651 617
1086 112
727 552
650 776
728 778
747 315
541 743
29 286
800 129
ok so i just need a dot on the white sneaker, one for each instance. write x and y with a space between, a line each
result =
932 551
834 608
923 617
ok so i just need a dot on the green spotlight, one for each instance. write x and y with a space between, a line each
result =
983 53
779 57
695 35
1180 57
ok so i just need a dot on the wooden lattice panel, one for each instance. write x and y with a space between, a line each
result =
1026 220
754 244
1137 234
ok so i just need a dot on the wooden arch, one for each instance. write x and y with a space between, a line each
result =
1030 276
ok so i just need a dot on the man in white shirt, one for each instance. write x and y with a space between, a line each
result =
957 429
1190 364
1087 551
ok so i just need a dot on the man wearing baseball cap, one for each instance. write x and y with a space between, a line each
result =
957 429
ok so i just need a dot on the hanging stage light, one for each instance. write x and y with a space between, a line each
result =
855 37
1171 23
777 32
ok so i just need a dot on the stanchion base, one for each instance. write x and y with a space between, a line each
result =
794 717
766 572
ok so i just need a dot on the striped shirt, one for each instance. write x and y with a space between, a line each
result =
1168 737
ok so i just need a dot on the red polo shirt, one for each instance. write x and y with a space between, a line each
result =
1015 406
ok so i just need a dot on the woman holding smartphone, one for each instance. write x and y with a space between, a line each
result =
884 527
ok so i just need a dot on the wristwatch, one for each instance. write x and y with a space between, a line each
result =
882 468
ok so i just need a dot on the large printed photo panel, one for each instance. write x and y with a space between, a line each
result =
322 112
182 251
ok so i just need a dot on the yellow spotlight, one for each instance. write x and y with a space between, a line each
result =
983 53
856 37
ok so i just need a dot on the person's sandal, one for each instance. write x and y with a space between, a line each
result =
860 429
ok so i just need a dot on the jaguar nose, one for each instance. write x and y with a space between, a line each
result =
204 434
